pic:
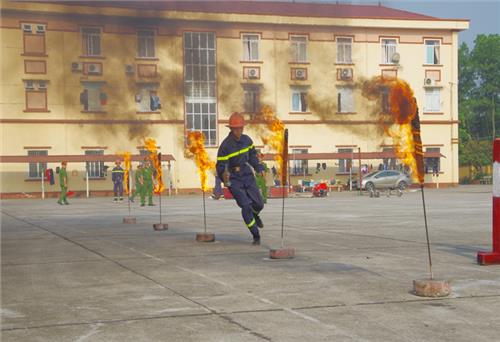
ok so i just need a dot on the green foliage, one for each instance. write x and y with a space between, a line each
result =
478 98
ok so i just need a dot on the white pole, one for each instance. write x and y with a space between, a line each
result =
43 184
87 183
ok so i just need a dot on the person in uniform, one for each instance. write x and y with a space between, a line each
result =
138 188
117 175
63 182
235 159
261 178
146 181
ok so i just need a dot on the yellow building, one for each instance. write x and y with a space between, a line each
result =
82 81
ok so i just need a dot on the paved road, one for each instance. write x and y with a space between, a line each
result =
76 273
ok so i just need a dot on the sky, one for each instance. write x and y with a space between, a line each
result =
484 15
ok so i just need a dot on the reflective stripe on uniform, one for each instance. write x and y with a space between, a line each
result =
237 153
118 171
250 225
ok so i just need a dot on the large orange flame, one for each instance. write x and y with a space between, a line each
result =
150 145
402 111
196 147
272 135
127 164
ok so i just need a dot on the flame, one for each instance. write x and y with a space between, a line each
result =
150 145
404 128
127 163
273 135
196 147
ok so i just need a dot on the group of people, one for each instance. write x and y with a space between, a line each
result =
238 167
144 183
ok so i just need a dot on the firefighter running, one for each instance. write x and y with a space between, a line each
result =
235 159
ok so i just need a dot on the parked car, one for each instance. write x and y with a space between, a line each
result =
385 179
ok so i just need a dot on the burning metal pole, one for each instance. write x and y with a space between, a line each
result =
159 189
425 287
283 253
128 186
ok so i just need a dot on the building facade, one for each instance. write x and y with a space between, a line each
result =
82 81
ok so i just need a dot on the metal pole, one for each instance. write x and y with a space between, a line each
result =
283 185
129 188
87 183
204 213
43 184
427 232
159 203
359 169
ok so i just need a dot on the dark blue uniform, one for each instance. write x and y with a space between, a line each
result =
117 175
237 156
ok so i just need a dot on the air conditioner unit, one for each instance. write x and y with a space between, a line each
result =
93 68
27 28
129 69
300 74
76 66
29 84
42 85
346 74
40 28
395 58
429 82
254 73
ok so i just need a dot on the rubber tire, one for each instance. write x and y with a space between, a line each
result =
402 185
369 187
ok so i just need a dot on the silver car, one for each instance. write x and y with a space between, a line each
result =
385 179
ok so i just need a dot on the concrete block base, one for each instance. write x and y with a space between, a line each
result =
129 220
160 226
205 237
488 258
282 253
431 287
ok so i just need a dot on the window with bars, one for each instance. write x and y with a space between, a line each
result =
432 100
95 168
91 38
432 51
299 100
345 164
147 99
384 100
299 49
200 84
36 170
34 39
345 100
432 164
299 167
146 44
250 47
252 98
91 97
389 47
344 50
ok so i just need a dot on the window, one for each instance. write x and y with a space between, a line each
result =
384 100
345 100
299 167
432 100
389 163
91 38
252 98
146 44
299 100
34 39
388 50
299 48
36 170
147 98
344 50
432 51
250 47
92 98
432 165
95 169
36 95
200 84
345 164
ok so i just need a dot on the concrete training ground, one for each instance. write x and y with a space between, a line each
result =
76 273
